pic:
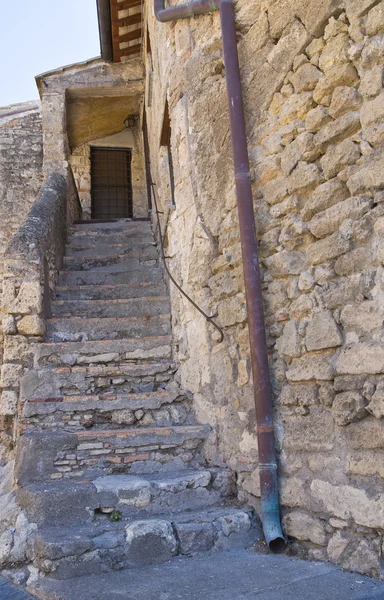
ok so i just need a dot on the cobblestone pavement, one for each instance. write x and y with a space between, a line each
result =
10 592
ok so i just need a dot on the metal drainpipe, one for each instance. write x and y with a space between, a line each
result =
270 507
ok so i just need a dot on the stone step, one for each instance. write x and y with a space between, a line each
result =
120 274
72 329
102 351
130 495
88 249
90 548
72 413
104 225
97 452
133 307
121 378
104 230
107 292
123 238
134 260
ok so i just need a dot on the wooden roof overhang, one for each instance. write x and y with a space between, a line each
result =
121 31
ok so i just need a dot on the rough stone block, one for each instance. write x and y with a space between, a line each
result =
9 401
327 249
372 82
354 261
339 156
311 433
302 526
286 263
326 195
31 325
348 407
299 395
366 463
343 75
375 20
150 541
367 434
329 221
362 318
314 367
296 107
22 301
322 332
275 191
369 178
289 344
335 52
361 358
316 119
338 130
376 405
305 78
304 178
372 111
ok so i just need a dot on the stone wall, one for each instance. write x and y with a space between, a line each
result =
81 166
312 76
20 172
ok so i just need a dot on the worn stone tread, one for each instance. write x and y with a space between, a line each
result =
112 308
106 292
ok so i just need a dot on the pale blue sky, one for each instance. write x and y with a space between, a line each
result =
41 35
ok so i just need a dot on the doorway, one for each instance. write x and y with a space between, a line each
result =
111 183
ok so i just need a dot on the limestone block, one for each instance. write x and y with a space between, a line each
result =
302 148
367 434
289 344
374 134
232 311
123 417
271 144
335 52
358 8
293 232
322 332
294 39
311 433
348 407
329 221
326 394
343 75
363 318
366 463
316 119
304 178
334 28
302 526
9 400
361 358
344 99
326 195
275 191
296 107
318 367
327 249
31 325
6 543
369 178
373 52
338 130
23 538
300 60
372 81
299 395
227 283
286 263
10 375
305 78
301 308
27 299
9 325
372 111
315 47
285 207
364 560
345 501
354 261
306 281
376 406
375 20
337 546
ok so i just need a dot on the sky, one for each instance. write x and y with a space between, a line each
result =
41 35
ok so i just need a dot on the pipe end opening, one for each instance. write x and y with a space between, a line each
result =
278 545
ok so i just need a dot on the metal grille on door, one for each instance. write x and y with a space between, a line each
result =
111 183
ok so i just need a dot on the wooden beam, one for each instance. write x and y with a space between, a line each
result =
127 4
129 37
129 51
127 21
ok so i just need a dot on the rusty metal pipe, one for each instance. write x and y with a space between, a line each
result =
270 506
183 11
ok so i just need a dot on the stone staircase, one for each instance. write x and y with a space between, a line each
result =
109 461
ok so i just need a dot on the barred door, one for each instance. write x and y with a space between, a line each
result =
111 183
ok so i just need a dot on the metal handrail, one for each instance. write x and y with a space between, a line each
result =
207 317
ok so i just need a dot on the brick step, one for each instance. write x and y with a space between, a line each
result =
112 264
73 413
87 249
102 351
88 549
106 292
72 329
133 307
97 452
121 378
120 274
65 502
